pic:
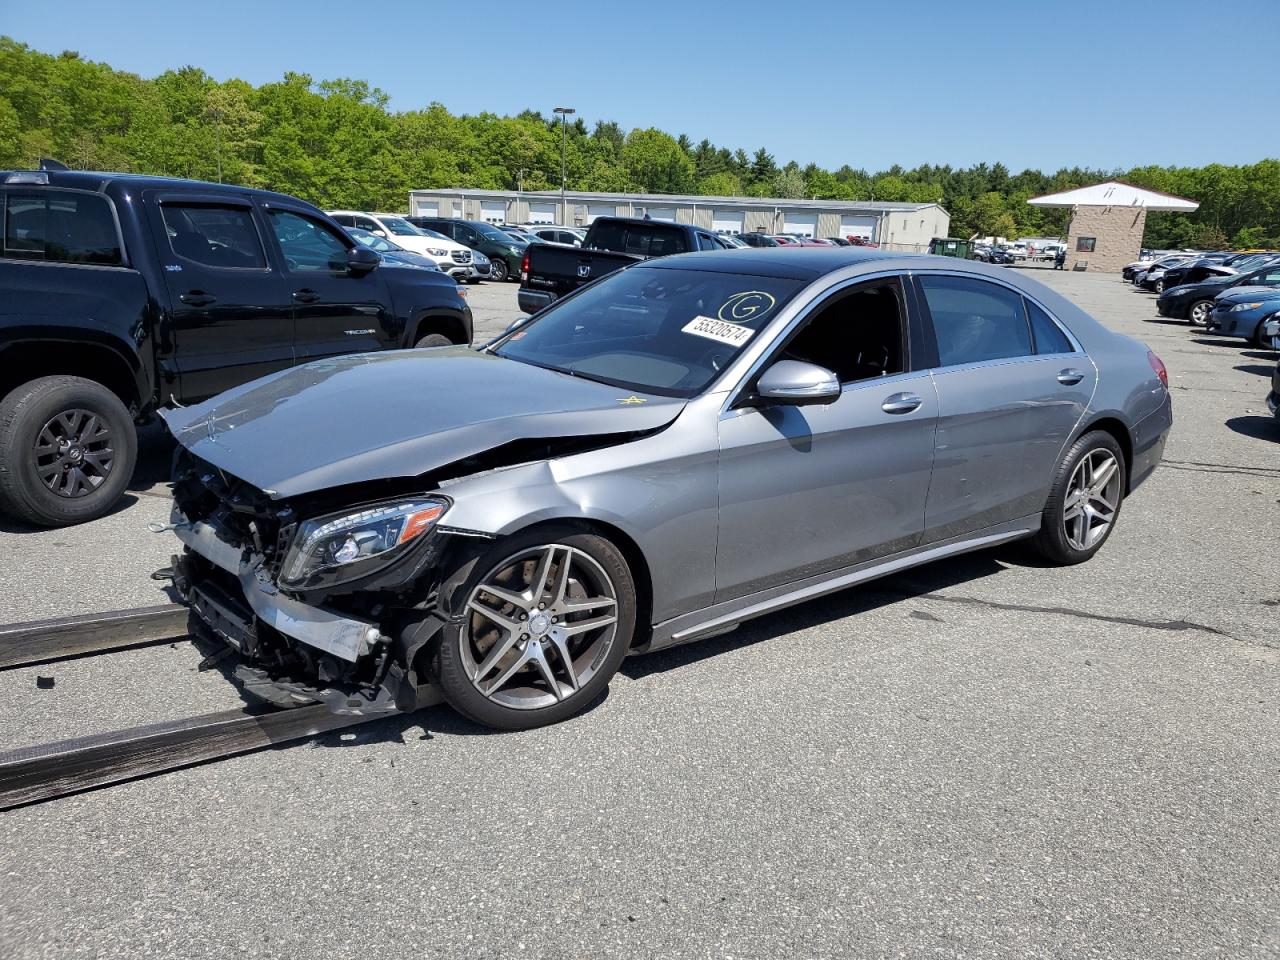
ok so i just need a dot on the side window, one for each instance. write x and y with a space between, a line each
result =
1269 279
974 320
60 226
706 242
1049 336
647 242
308 245
466 235
346 219
214 235
858 335
368 223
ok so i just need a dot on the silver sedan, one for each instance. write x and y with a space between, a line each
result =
684 445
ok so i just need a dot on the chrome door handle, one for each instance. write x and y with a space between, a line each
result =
1069 377
901 403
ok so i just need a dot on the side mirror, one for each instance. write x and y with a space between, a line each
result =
797 383
517 322
362 259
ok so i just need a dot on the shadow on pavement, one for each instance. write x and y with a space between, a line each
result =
1259 428
1261 369
845 603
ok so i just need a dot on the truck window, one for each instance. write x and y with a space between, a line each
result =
60 226
308 245
214 235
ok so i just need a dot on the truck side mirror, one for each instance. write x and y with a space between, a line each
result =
361 260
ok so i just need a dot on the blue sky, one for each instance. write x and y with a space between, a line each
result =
1029 83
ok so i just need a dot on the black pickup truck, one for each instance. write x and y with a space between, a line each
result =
120 294
550 270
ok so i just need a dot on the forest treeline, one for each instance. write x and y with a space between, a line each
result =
337 144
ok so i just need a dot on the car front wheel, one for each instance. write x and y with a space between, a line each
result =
1084 501
67 451
544 620
1199 312
498 270
1159 286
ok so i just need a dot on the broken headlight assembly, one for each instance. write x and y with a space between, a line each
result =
341 547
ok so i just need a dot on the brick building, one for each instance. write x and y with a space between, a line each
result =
1107 221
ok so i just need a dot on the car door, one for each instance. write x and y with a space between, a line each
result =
809 489
1012 386
335 311
231 319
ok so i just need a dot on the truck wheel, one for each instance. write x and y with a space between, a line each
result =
498 269
433 340
67 451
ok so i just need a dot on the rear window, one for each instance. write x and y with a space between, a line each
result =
60 226
641 240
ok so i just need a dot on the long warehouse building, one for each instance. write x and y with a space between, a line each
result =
895 226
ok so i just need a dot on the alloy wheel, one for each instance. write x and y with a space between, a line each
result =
498 270
1200 313
73 453
1093 496
539 626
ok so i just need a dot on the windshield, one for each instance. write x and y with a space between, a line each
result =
400 227
423 231
651 329
493 233
372 241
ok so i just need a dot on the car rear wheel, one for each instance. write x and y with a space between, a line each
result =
498 269
1199 312
544 621
67 451
1084 501
1159 286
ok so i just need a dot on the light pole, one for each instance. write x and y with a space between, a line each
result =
564 142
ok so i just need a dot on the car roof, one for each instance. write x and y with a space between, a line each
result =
99 181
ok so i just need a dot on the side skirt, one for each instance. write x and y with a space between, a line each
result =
723 617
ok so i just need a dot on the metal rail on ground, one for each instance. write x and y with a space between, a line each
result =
41 641
34 774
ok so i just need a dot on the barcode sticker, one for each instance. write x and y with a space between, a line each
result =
734 334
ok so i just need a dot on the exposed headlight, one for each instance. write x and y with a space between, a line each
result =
438 253
479 257
1245 306
345 546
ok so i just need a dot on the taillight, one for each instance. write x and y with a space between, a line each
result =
1158 366
524 263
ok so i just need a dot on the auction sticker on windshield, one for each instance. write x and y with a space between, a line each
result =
734 334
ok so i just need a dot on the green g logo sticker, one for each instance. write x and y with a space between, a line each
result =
748 305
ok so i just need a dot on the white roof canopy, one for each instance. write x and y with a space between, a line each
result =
1113 193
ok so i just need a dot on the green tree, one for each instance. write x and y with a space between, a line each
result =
654 160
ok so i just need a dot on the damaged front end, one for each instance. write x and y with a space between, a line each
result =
323 601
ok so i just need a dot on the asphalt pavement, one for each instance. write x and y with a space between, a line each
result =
981 758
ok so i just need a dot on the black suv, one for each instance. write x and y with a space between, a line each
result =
123 293
503 250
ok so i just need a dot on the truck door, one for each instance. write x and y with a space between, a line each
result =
335 311
230 315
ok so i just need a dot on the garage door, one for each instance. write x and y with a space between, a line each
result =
727 221
665 214
542 213
426 208
806 223
493 211
864 227
600 210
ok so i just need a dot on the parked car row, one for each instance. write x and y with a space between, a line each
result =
1229 295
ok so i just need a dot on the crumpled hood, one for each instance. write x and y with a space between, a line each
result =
397 414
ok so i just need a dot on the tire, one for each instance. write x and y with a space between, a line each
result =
1198 313
498 270
469 643
90 475
1066 541
433 340
1158 286
1260 339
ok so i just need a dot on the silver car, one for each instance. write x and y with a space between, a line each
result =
686 444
